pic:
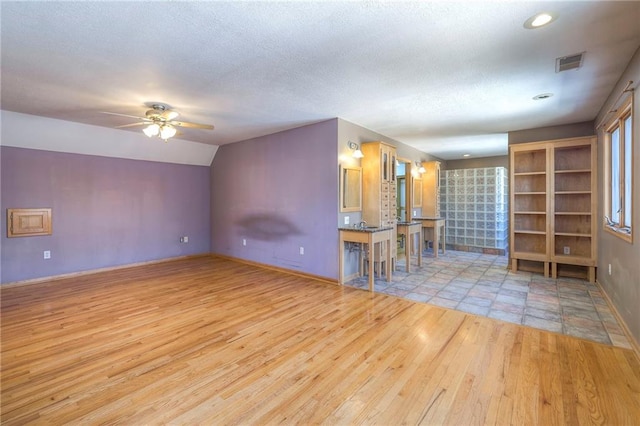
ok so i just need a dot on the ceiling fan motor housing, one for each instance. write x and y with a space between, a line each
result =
156 112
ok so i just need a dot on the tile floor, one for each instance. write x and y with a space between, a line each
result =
481 284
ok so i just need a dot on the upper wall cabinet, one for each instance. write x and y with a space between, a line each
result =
28 222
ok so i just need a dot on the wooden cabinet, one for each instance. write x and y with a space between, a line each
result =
379 184
553 198
379 188
431 189
28 222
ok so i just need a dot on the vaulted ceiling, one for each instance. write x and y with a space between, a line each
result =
448 78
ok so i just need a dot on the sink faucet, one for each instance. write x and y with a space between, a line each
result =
362 224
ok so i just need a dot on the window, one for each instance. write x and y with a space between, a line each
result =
618 172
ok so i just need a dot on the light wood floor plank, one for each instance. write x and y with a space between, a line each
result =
211 341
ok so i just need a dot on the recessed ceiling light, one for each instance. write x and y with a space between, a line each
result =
542 96
539 20
466 155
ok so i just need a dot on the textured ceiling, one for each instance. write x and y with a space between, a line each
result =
447 78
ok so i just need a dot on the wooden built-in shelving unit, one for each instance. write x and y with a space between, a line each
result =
553 198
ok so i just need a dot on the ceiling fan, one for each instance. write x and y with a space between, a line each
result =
160 121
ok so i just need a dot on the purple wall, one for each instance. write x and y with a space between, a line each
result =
106 211
279 193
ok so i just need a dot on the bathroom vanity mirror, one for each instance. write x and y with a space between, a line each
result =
350 189
417 192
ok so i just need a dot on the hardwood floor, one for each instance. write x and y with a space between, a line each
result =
210 341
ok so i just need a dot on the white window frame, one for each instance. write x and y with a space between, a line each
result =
618 178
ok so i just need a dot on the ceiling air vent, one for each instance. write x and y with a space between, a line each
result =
570 62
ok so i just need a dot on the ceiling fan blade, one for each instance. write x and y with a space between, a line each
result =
192 125
142 123
123 115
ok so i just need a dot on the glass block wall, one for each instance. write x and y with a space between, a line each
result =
475 204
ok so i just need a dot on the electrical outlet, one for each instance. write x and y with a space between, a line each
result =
567 250
301 250
244 241
184 239
609 269
47 254
415 213
346 220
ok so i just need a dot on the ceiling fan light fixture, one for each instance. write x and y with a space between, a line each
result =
159 121
151 130
167 131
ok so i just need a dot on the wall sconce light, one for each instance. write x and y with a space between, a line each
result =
356 150
420 167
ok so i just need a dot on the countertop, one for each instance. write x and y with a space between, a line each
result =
369 230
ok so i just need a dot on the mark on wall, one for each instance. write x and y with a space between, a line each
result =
267 227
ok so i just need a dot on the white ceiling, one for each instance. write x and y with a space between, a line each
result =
445 77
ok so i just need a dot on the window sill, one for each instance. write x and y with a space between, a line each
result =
620 233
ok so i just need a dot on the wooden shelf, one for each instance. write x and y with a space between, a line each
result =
531 243
569 256
529 255
573 171
579 246
530 174
529 202
573 202
530 183
530 161
571 192
530 223
531 212
572 157
572 234
529 231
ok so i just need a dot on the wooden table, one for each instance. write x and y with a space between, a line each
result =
370 236
436 224
409 230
